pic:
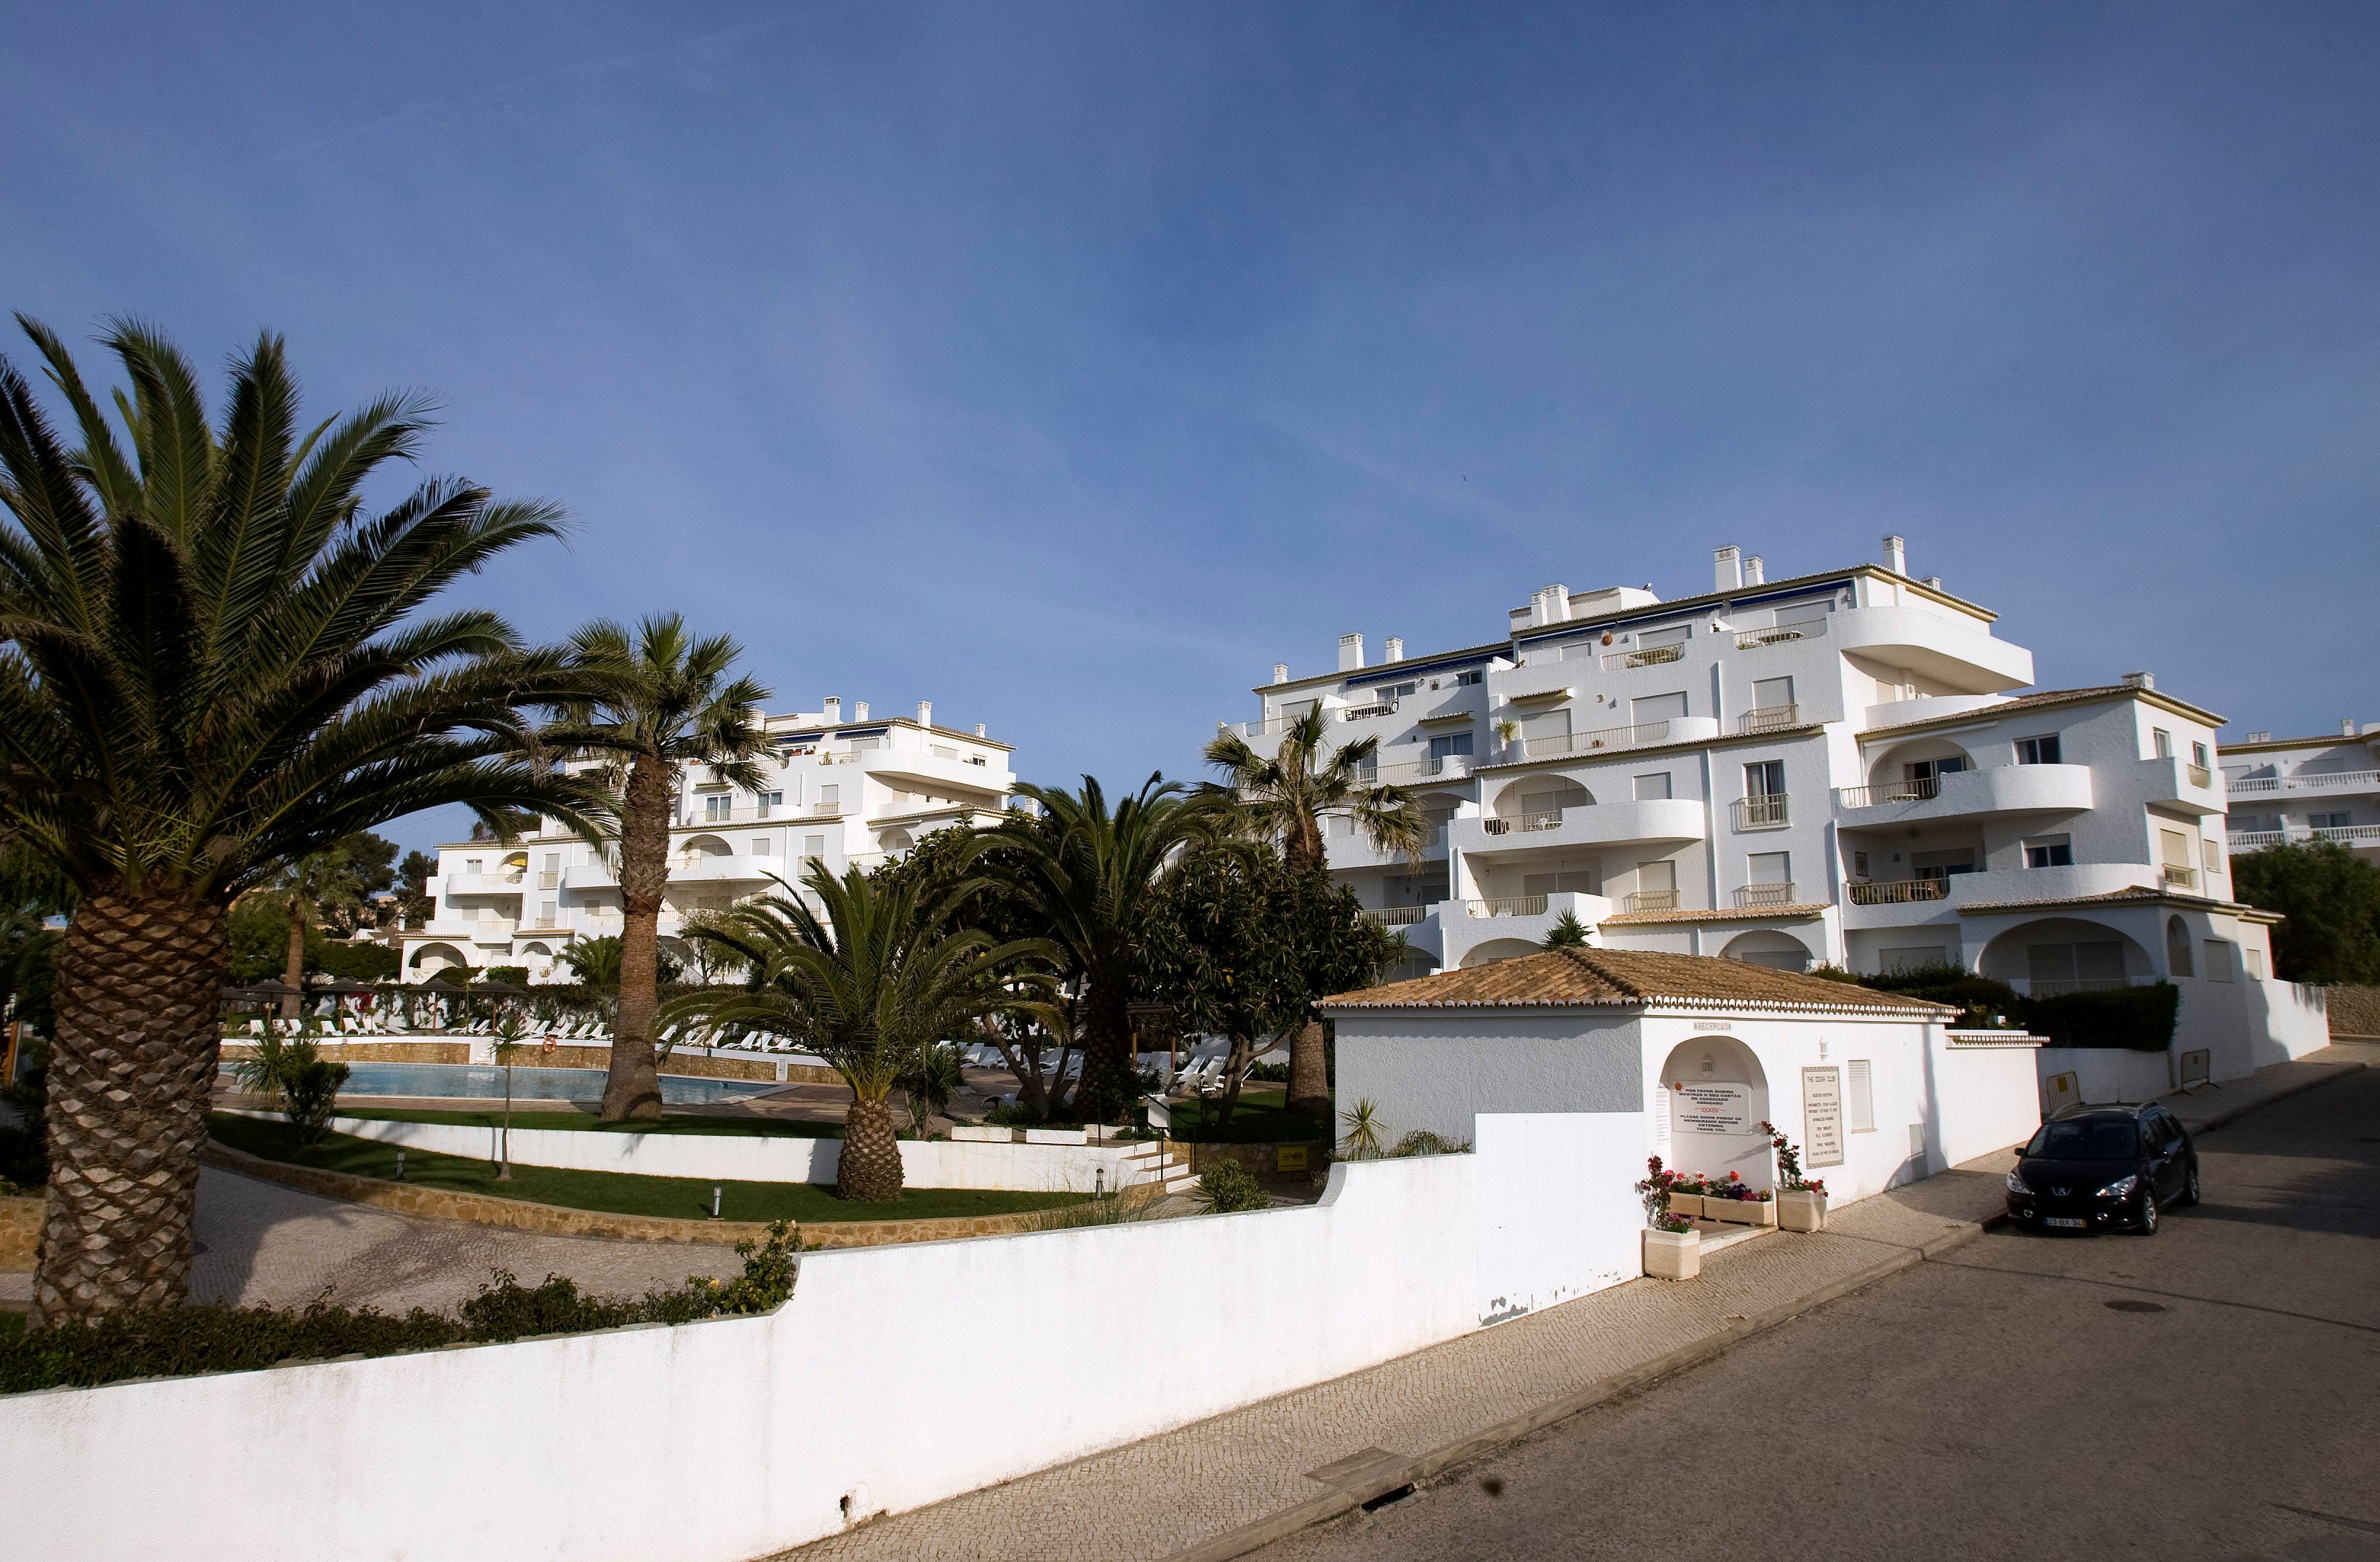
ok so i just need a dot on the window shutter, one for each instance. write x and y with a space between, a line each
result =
1861 1089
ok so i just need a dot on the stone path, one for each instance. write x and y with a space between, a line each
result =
1186 1493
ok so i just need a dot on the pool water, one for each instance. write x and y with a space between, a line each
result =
449 1080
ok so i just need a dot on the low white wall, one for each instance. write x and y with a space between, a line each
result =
1036 1168
751 1434
1990 1096
2107 1074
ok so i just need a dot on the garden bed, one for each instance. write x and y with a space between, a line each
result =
1262 1118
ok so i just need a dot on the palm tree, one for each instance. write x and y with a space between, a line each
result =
1568 932
1090 878
872 986
1284 799
318 884
661 701
217 662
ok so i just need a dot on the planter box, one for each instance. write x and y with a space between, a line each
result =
1799 1209
982 1134
1688 1204
1741 1212
1056 1136
1673 1255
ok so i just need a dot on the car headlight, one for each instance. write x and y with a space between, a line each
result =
2017 1184
2120 1188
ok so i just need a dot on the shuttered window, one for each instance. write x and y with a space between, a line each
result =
1861 1094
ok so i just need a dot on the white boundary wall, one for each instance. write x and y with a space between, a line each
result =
1040 1168
751 1434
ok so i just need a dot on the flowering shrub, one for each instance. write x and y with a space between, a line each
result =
1789 1162
1660 1182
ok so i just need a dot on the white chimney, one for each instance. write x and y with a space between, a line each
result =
1550 605
1727 569
1351 652
1895 555
1392 649
2260 737
859 710
2346 727
834 708
978 728
1280 672
2139 681
1754 571
925 713
1935 581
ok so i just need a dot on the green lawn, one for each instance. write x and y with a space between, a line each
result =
1260 1118
684 1198
583 1120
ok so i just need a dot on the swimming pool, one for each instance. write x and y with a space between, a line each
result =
531 1083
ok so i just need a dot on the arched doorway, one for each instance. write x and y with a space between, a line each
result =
1767 945
430 959
2063 954
1717 1097
2177 948
1495 950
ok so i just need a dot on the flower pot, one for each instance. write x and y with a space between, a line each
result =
1741 1212
1801 1209
1673 1255
1688 1204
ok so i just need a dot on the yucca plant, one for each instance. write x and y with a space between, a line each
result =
217 661
870 982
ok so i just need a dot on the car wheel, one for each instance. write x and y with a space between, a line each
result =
2190 1186
2148 1222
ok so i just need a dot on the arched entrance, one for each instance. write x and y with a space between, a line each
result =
430 959
1767 945
2063 954
1718 1098
1495 950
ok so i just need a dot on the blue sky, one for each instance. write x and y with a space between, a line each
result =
1067 365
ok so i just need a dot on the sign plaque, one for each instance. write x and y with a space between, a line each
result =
1822 1118
1289 1158
1713 1107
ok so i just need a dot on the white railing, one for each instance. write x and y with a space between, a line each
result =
1506 905
550 879
1270 727
1761 812
1764 895
2333 780
1644 656
1365 712
826 810
1398 916
2180 878
2345 834
1901 892
2256 840
2247 785
1410 769
1652 900
1605 737
1753 640
1889 791
1768 718
1544 818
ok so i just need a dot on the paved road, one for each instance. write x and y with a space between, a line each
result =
1994 1404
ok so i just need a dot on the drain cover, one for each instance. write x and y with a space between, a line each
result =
2126 1304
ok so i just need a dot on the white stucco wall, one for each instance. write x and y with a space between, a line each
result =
1988 1095
749 1434
1407 1064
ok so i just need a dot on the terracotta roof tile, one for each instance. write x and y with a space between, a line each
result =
1740 913
1599 977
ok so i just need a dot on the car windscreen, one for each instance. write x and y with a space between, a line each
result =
2086 1139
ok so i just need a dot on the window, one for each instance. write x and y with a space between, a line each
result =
764 846
943 751
2219 960
814 847
1342 826
1924 770
1942 864
1858 1095
2162 741
715 809
2255 960
1469 677
2177 946
1859 864
1558 883
1449 746
2038 751
545 913
2050 851
2176 847
471 866
1768 867
2214 856
1578 651
2066 966
1657 708
1557 796
1659 878
2330 821
2197 755
1764 778
1651 788
1550 728
829 796
1768 693
1673 635
1293 710
771 802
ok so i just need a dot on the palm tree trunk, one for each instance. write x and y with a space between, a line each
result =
633 1091
139 985
1107 1084
870 1167
295 973
1309 1074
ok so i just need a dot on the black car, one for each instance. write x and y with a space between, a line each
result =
2095 1169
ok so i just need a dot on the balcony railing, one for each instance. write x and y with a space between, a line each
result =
1768 718
1889 791
2199 775
1644 656
1604 737
827 810
1652 900
1753 640
1546 819
2346 834
1410 769
1901 892
550 879
2180 878
1507 905
1767 812
1399 916
2334 780
1365 712
1270 728
2245 785
1764 895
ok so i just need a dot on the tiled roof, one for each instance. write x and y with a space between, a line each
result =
1601 977
2137 894
2047 697
1739 914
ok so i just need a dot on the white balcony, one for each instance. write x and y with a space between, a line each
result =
1356 851
1648 821
590 876
1911 902
1398 916
1898 891
1448 767
1780 635
1999 788
723 868
1770 811
1769 719
2318 783
2176 783
1643 656
1752 897
2352 835
1515 923
1367 712
1936 645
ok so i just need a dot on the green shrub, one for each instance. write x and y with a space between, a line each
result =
310 1089
2140 1019
216 1337
1422 1142
1226 1187
1270 1073
1978 998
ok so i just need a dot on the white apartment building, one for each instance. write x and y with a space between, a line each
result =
1837 767
840 791
2306 788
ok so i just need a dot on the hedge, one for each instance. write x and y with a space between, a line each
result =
2139 1019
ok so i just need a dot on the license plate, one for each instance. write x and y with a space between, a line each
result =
2064 1220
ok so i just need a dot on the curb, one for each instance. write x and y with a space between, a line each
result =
1379 1478
2234 1114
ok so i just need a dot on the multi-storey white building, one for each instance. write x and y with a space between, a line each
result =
839 791
1835 767
2306 788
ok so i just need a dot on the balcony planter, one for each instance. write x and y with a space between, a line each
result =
1741 1212
1688 1204
1673 1255
1802 1209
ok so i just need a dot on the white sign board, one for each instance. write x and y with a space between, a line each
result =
1712 1108
1822 1118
